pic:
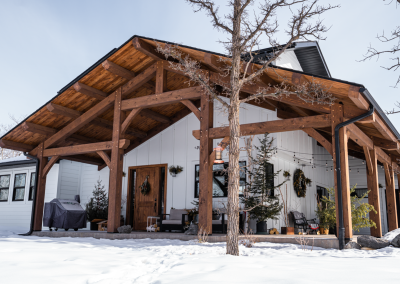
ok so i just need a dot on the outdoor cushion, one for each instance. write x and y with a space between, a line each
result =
176 214
172 222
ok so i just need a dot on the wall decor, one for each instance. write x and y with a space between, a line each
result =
145 187
174 170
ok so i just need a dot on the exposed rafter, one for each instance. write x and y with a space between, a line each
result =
90 91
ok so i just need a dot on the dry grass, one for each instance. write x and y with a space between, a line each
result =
303 242
202 235
248 239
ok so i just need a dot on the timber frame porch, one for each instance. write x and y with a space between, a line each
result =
132 94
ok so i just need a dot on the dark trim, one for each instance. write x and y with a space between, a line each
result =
15 188
34 196
341 235
16 164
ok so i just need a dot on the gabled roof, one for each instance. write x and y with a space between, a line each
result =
74 100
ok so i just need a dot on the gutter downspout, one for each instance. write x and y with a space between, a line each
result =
34 194
341 235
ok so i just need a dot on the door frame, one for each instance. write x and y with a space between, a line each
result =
129 191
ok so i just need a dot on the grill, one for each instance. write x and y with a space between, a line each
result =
64 214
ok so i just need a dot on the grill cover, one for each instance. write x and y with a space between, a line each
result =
65 214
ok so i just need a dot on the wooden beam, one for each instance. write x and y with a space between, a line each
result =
36 128
81 121
105 158
97 121
129 119
357 98
383 129
156 130
390 197
155 116
118 70
271 126
212 61
147 49
337 114
84 159
161 78
90 91
205 170
385 144
319 138
382 156
162 99
115 186
84 149
40 190
15 146
139 80
368 119
49 165
360 137
192 107
373 188
285 114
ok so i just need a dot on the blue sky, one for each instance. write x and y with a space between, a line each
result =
46 44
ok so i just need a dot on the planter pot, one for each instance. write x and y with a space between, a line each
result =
262 227
323 231
287 230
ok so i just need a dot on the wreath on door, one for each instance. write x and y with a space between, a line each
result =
145 187
300 183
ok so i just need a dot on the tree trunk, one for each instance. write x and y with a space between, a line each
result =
232 239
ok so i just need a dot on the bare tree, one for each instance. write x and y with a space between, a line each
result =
393 52
245 30
4 128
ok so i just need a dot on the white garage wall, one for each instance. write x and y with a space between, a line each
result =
16 215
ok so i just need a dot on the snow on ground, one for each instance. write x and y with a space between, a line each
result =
87 260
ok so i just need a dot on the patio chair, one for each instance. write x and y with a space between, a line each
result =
177 220
301 222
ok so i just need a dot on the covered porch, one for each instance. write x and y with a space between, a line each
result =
133 94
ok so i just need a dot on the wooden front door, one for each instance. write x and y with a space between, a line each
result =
149 204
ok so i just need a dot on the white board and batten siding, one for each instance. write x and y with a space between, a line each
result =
16 215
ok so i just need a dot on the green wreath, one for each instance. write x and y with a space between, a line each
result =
300 182
145 187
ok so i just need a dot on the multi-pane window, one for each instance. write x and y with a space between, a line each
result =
32 186
4 187
19 187
220 179
322 191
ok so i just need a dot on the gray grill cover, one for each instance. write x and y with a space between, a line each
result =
65 214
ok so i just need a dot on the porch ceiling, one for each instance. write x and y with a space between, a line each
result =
131 59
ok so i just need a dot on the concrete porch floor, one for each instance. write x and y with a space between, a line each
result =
323 241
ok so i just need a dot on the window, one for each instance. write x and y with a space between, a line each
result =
32 186
220 180
270 178
359 192
4 187
322 191
19 187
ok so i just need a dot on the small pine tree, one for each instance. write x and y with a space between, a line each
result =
260 199
97 208
359 210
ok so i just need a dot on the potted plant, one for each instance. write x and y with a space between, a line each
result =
261 199
97 207
287 230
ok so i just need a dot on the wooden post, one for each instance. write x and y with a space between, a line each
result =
205 174
373 187
41 189
115 185
337 118
391 197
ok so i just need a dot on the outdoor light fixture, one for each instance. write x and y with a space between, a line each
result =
218 155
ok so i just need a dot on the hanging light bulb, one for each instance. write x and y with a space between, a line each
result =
358 171
218 155
363 162
326 169
326 163
331 168
350 169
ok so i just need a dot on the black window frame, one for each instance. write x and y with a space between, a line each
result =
5 188
218 174
322 191
31 187
15 188
360 192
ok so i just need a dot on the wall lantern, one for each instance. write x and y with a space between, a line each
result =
218 155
